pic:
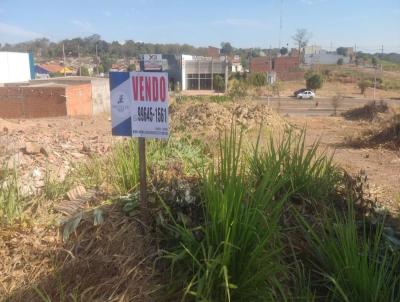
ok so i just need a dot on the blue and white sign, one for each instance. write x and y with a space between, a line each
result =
139 104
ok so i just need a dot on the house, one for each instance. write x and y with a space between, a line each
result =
46 70
213 52
16 67
284 67
235 64
324 57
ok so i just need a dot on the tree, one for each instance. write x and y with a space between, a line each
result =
363 85
314 81
340 61
218 83
83 71
283 51
258 79
301 38
100 69
374 61
226 48
132 67
238 90
341 51
336 102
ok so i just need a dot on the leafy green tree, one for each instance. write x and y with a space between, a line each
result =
340 61
283 51
341 51
374 61
100 68
106 62
314 81
226 48
218 83
83 71
257 79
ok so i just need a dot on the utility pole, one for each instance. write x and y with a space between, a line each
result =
280 24
65 72
375 81
97 62
79 62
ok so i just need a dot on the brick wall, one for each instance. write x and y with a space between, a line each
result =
36 102
79 100
260 64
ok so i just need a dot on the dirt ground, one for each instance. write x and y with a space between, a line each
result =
381 166
37 146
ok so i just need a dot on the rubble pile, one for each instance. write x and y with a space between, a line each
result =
212 117
41 148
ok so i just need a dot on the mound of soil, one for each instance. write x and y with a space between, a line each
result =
369 112
385 134
214 117
388 135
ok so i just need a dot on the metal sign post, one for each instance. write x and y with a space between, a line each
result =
139 108
142 171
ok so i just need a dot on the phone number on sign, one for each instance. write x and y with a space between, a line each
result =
150 114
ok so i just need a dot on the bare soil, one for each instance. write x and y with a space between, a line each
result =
381 165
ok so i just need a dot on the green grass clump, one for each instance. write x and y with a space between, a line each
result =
307 174
354 260
237 257
11 201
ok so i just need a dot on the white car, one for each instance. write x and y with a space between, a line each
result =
308 94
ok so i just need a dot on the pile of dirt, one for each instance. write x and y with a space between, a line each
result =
369 112
388 134
384 134
37 148
209 117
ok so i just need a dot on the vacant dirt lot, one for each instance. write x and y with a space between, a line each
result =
381 166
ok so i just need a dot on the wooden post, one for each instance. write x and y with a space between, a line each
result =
142 172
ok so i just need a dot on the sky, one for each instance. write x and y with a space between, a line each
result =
368 24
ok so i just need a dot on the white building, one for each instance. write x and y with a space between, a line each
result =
16 67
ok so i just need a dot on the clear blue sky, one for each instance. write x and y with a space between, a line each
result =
249 23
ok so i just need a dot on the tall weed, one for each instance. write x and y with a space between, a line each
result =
354 260
307 174
237 256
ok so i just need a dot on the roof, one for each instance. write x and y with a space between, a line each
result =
51 68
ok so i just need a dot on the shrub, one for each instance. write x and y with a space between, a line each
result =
237 90
219 83
355 263
363 85
340 61
257 79
237 257
314 82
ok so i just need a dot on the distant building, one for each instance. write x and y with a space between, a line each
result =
198 72
235 64
187 72
324 58
213 52
41 70
16 67
312 50
284 68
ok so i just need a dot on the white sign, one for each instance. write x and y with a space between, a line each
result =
139 104
152 62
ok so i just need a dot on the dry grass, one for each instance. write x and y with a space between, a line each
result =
110 262
385 133
368 112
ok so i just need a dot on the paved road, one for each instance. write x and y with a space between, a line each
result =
294 107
